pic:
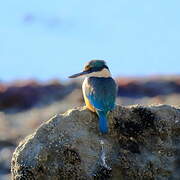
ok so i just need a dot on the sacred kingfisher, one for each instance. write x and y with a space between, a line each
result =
99 90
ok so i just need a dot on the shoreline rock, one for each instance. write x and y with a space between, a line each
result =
143 143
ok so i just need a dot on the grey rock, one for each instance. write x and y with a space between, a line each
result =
143 143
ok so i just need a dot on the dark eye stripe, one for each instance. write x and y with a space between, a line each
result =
95 69
106 67
98 68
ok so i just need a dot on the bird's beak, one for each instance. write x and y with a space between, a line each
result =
79 74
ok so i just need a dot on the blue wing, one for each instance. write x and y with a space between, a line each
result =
101 93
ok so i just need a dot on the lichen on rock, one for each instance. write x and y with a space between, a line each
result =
143 143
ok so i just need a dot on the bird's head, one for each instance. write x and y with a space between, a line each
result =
94 68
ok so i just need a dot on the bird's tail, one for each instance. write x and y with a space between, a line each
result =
103 124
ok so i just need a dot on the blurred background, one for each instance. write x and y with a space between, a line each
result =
43 42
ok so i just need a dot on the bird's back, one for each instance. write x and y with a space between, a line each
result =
101 92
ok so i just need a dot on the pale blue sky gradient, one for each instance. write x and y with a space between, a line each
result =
53 39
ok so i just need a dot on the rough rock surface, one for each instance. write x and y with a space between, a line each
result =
143 143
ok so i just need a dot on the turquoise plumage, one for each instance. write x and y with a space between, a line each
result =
99 90
101 95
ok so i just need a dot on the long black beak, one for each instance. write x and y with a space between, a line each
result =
79 74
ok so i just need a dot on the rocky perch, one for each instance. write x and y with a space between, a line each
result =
143 144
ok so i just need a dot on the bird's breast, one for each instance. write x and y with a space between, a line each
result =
86 87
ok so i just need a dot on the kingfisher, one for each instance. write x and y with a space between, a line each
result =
99 90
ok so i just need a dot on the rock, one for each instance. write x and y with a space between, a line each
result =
143 143
24 95
148 87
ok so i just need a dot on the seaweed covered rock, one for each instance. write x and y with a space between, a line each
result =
142 143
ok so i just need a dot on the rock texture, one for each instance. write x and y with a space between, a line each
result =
143 143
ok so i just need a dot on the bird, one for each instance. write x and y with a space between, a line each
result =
99 90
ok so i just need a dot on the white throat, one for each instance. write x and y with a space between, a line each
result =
103 73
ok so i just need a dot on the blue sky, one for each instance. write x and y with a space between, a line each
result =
53 39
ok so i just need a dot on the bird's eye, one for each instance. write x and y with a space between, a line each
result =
87 68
